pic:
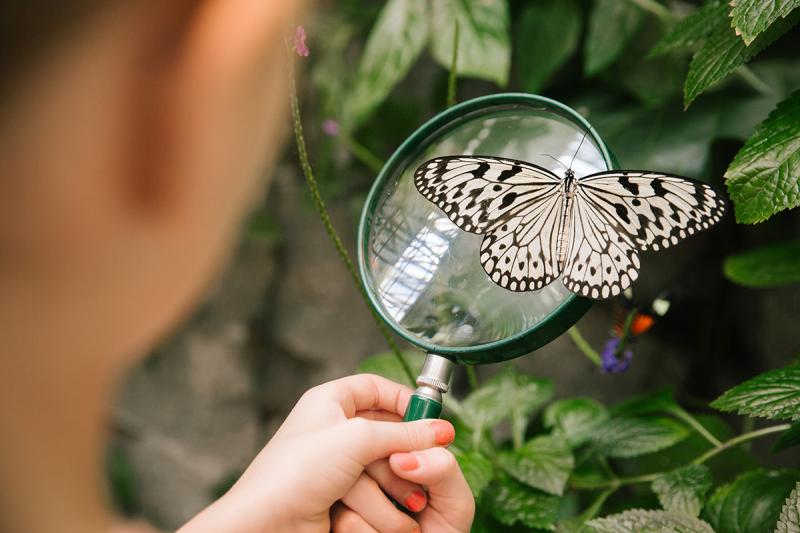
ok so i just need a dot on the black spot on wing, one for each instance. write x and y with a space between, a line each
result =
625 181
509 173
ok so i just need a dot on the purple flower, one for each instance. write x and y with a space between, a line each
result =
331 127
613 361
300 42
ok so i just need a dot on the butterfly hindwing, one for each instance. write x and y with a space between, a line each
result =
657 210
601 258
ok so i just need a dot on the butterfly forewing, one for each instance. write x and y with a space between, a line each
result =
656 210
515 205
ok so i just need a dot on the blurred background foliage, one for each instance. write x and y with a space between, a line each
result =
703 89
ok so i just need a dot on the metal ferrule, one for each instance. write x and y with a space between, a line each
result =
434 379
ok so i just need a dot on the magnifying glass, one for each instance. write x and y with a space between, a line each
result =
422 273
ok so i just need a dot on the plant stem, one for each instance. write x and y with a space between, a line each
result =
682 414
451 79
472 377
655 8
596 505
583 346
305 164
740 439
362 153
752 79
613 483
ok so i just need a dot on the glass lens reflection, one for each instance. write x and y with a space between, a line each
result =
426 272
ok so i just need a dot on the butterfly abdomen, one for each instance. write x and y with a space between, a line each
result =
568 193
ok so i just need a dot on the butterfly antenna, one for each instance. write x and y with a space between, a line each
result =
579 148
556 160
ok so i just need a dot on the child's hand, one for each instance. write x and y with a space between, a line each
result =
340 445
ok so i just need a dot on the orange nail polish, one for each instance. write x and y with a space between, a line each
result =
416 501
406 461
444 432
416 530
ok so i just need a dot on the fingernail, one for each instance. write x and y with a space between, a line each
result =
444 432
406 461
416 530
416 501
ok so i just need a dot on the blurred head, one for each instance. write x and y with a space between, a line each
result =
132 137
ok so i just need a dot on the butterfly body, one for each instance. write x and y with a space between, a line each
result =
537 226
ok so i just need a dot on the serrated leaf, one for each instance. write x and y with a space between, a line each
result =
508 395
764 177
774 395
627 436
394 43
722 52
512 502
751 503
386 364
612 24
552 29
692 29
751 17
769 266
788 439
575 419
683 490
477 470
645 521
543 463
484 50
789 519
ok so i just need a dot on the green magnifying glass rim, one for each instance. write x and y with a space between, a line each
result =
560 319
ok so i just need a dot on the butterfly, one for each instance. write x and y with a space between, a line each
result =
537 226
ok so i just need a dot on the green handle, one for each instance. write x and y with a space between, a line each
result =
421 407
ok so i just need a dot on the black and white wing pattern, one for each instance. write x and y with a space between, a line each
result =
657 210
618 213
515 205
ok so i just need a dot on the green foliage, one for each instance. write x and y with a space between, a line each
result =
770 266
628 436
751 17
484 50
692 29
549 33
788 439
774 395
764 177
512 502
543 463
789 520
683 490
396 40
386 364
643 521
751 503
477 469
612 25
122 483
575 419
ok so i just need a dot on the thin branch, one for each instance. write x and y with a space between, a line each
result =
682 414
740 439
305 164
451 79
583 346
472 377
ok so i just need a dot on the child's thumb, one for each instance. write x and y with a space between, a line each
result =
369 440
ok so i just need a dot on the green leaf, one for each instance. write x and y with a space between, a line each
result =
575 419
764 177
543 463
683 491
512 502
547 36
751 17
645 404
484 50
722 52
774 395
508 395
751 503
768 266
788 439
386 364
612 24
393 45
692 29
477 470
644 521
789 520
630 437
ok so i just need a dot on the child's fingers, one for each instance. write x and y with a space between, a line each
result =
437 469
368 501
411 495
367 441
381 416
362 392
344 520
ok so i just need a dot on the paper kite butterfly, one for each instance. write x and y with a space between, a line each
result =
537 226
